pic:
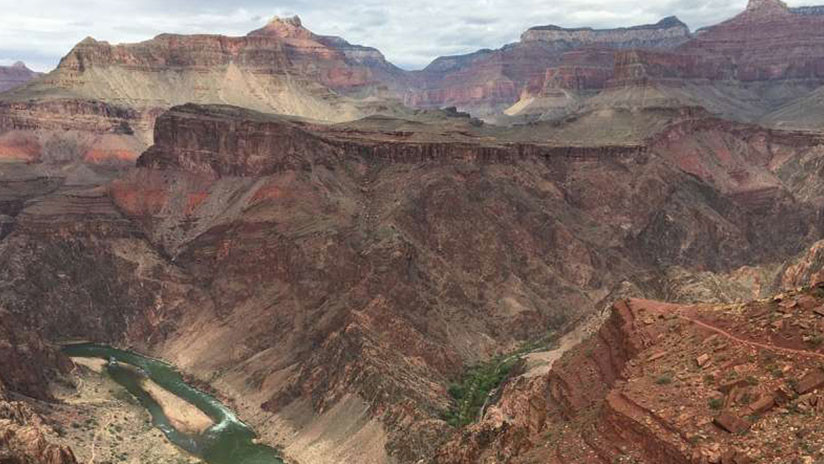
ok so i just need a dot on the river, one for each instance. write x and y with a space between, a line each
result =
228 441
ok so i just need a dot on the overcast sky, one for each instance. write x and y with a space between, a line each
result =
411 33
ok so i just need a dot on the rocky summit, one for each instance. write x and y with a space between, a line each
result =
588 246
15 76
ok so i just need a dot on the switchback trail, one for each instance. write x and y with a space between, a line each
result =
726 334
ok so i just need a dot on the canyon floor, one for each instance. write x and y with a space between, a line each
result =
102 423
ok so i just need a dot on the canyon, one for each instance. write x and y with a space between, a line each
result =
331 246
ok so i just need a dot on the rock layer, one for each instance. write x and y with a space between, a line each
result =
105 97
488 81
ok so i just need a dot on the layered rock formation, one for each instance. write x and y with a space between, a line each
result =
753 67
668 383
765 64
767 42
104 97
354 269
28 365
261 60
487 82
15 76
744 68
667 33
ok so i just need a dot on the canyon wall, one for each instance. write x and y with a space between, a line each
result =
365 265
490 81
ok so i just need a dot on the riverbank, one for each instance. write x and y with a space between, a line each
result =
183 415
176 407
102 422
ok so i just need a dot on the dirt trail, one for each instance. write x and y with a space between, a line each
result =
100 430
539 363
749 342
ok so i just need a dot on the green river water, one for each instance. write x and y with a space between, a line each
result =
229 441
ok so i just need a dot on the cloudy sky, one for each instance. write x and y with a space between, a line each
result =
410 32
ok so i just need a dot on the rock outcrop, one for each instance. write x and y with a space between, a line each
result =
667 383
761 65
23 436
281 48
667 33
745 68
27 363
766 42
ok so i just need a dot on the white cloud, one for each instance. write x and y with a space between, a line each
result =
410 34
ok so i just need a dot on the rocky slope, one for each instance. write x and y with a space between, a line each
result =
15 76
669 383
24 438
768 41
102 100
28 365
763 65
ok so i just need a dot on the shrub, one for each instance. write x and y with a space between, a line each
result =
475 386
664 379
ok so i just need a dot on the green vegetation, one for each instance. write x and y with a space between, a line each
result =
716 403
475 386
664 379
472 391
775 371
793 383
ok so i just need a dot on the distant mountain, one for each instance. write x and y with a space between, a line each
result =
105 97
489 81
745 68
15 76
108 95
